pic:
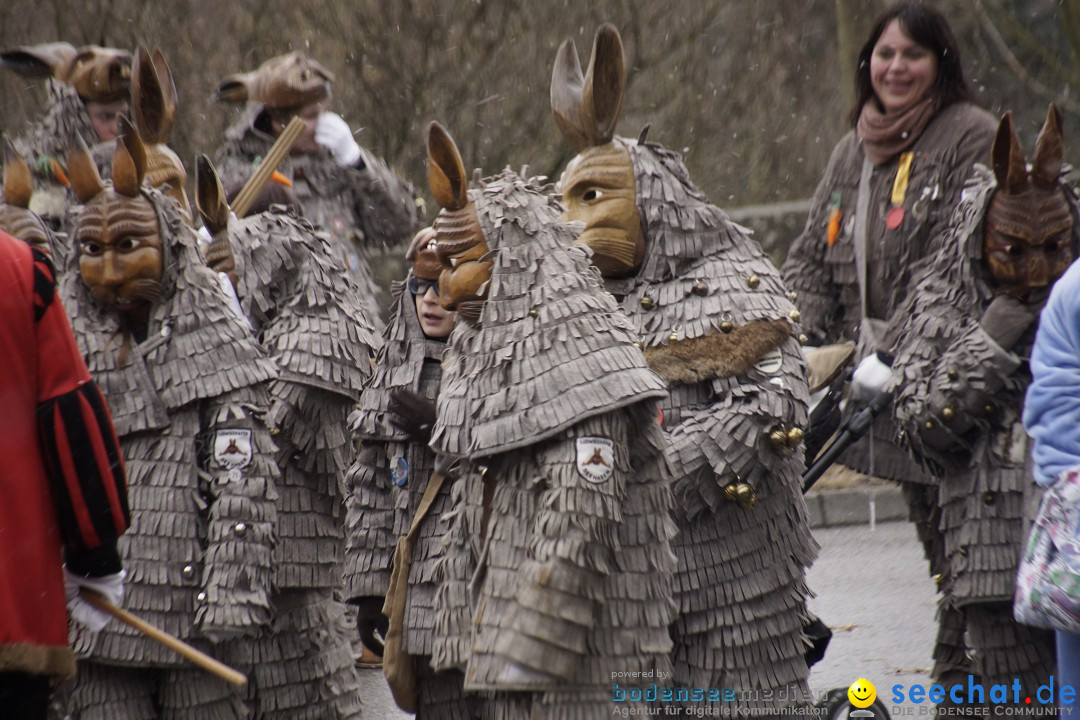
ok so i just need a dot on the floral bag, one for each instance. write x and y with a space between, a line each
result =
1048 578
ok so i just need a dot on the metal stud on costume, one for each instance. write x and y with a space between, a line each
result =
716 323
309 318
959 399
184 390
560 513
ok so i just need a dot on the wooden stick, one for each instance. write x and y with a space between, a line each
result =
198 657
277 152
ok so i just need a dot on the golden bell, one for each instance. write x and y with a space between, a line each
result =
988 408
952 374
793 296
647 302
929 424
779 440
673 336
726 326
741 494
794 315
753 281
803 339
948 414
795 436
700 288
533 313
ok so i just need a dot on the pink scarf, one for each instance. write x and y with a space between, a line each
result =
885 134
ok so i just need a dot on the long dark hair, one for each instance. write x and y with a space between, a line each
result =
929 28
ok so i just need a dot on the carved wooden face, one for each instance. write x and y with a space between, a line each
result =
599 190
1027 239
1027 236
121 256
462 249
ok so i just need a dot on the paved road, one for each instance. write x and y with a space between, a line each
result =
872 590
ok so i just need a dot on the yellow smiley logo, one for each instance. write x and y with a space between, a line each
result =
862 693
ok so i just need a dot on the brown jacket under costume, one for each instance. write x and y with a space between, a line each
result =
201 475
309 318
824 274
716 323
362 209
977 457
558 567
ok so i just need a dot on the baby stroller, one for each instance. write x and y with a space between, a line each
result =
827 437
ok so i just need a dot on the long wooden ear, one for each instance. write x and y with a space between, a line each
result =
446 171
129 160
235 88
83 172
210 196
605 81
18 184
37 61
1009 167
567 84
153 96
1049 150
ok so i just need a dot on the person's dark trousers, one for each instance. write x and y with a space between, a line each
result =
23 696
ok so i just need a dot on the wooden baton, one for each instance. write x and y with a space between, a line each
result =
177 645
277 152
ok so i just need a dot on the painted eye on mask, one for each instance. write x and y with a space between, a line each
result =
592 195
90 248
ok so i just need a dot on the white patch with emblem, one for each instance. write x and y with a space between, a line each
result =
770 362
232 448
595 458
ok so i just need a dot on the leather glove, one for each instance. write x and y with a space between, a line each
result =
870 377
412 414
1006 319
335 135
111 587
371 623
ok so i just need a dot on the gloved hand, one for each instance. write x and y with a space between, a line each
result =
111 587
335 135
870 377
371 623
413 414
1006 319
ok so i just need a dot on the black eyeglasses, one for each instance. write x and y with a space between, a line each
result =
419 286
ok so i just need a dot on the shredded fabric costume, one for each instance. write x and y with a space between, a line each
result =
309 318
202 477
558 567
386 482
361 209
716 323
982 489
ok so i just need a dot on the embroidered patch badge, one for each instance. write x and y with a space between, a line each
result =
232 448
770 362
595 458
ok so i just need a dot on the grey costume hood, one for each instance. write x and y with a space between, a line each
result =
571 350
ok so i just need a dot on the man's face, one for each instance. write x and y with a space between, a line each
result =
121 257
598 189
1027 240
105 118
305 143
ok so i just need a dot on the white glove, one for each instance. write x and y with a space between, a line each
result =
111 587
870 377
334 134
